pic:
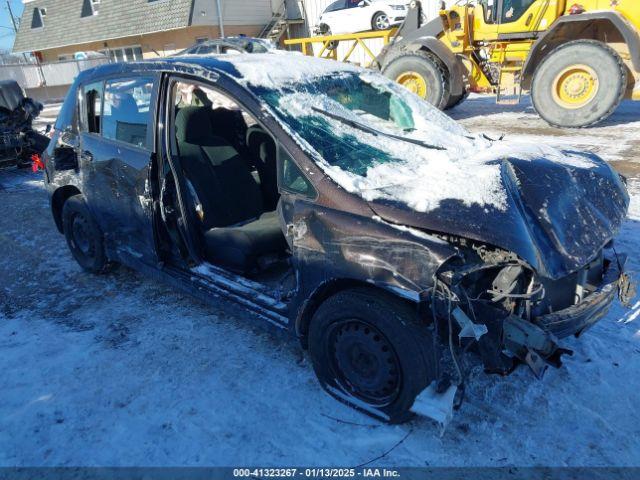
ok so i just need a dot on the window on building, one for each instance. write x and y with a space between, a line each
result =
93 94
37 20
89 8
127 111
125 54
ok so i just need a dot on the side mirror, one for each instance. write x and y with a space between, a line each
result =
362 4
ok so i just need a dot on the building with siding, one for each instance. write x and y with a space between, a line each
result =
55 30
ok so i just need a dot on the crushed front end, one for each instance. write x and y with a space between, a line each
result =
492 299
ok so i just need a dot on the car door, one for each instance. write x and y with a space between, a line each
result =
360 13
116 151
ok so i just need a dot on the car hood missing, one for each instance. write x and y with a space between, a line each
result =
557 218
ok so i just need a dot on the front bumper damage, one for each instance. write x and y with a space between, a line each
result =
505 339
536 343
576 319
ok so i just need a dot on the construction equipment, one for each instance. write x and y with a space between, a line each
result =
328 45
578 59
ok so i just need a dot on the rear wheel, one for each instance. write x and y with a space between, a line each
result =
579 84
369 352
421 73
84 238
380 21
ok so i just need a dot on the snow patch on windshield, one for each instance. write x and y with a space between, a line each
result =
273 71
422 177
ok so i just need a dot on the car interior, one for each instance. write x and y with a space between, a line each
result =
229 165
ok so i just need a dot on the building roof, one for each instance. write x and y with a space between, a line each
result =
64 24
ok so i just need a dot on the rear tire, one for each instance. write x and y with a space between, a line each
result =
579 84
423 74
456 100
84 238
380 21
369 352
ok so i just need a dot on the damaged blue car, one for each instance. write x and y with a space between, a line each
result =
332 202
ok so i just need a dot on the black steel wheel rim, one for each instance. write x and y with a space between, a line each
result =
364 363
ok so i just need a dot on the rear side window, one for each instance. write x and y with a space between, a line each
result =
127 110
339 5
67 118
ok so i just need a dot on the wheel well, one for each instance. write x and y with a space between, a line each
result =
328 289
600 29
58 198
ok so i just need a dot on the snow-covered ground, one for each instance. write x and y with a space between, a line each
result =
120 370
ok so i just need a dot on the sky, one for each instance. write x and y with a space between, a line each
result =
6 29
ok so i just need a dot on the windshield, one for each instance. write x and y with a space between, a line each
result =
356 121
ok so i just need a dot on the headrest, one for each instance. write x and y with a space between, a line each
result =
193 125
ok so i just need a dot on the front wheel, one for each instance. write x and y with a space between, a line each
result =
579 84
84 238
369 352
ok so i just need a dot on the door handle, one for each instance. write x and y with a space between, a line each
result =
529 18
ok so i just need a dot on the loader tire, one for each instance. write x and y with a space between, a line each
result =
422 73
579 84
456 100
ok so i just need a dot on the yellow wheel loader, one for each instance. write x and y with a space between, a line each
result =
577 58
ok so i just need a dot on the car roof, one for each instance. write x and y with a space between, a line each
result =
231 65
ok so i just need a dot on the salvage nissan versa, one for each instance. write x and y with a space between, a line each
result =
328 200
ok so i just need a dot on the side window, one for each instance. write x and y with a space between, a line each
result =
67 118
339 5
292 179
127 110
353 3
513 10
207 50
92 94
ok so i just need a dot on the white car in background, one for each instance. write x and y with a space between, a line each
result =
349 16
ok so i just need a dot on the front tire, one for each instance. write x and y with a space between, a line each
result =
84 238
421 73
369 352
579 84
455 100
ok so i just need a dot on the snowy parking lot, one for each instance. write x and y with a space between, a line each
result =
120 370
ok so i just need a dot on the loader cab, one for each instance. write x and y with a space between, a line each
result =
511 19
